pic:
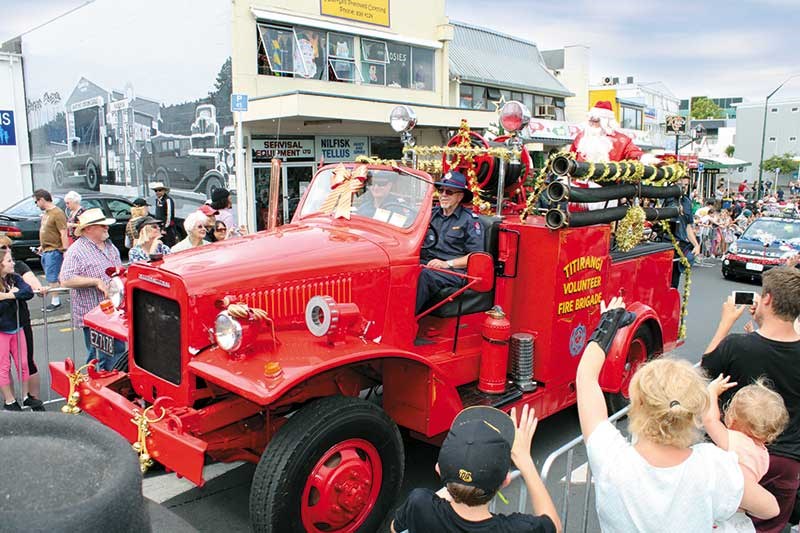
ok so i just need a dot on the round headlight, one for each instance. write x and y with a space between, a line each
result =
514 116
227 332
116 291
733 248
402 119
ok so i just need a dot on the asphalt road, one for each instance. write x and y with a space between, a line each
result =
222 504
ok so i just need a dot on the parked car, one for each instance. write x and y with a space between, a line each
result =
21 221
767 242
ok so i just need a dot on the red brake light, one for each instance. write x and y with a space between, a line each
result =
12 232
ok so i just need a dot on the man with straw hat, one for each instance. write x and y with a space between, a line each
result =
84 271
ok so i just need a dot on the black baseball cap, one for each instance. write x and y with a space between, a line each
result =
146 220
477 450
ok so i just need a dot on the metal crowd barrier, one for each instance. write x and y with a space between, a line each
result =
45 393
561 486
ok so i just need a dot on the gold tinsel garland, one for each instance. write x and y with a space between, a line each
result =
687 284
630 230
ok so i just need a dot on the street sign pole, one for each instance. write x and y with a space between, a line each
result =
245 201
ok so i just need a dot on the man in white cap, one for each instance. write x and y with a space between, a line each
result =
84 271
165 212
601 140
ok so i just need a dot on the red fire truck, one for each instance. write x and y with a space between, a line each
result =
298 348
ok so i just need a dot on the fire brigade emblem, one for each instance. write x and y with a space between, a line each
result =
577 340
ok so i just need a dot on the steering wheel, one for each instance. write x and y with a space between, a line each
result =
396 207
431 238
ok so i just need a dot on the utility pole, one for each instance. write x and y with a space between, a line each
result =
764 134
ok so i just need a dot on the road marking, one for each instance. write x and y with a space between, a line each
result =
166 486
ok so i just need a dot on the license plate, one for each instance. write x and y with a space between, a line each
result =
102 342
754 266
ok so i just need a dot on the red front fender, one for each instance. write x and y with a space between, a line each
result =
611 375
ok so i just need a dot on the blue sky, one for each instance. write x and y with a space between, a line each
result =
697 47
717 48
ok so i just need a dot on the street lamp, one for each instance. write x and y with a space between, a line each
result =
764 133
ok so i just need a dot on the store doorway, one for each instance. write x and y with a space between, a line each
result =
295 178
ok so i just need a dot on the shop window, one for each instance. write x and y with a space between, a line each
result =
479 97
279 45
398 69
374 58
465 96
386 147
493 93
341 57
422 59
527 99
560 114
310 53
516 96
631 118
505 94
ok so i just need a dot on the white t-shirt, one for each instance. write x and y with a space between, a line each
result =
632 495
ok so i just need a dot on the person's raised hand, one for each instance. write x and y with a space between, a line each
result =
730 311
525 427
720 385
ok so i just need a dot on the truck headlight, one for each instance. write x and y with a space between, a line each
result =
116 291
227 332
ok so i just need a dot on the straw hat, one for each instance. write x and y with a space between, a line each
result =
156 185
92 217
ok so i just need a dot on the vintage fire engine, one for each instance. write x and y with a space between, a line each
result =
298 348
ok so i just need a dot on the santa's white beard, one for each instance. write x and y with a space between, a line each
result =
595 145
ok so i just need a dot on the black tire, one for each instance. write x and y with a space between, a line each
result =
212 182
282 475
92 177
58 175
619 400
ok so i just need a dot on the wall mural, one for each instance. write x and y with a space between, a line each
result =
118 98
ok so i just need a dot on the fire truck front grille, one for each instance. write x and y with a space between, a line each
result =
157 335
290 301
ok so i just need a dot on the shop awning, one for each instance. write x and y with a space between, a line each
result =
722 162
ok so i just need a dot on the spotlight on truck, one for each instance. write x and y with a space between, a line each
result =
402 119
514 116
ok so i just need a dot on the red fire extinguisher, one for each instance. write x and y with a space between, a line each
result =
496 331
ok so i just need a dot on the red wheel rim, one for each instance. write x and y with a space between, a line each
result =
637 354
342 488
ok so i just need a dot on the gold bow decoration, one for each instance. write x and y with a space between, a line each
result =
343 184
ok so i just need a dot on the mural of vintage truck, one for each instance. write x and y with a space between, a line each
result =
199 162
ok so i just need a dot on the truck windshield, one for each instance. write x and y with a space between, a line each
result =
390 197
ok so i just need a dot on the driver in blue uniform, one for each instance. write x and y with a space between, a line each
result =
459 234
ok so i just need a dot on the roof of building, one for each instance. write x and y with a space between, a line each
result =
483 56
554 59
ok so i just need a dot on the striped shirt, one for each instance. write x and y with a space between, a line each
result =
85 259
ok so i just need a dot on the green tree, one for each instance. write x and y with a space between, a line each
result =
703 108
221 95
786 163
730 150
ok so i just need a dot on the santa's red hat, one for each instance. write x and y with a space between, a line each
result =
602 109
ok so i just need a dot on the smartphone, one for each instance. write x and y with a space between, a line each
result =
34 249
743 297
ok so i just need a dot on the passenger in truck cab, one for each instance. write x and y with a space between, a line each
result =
459 234
379 194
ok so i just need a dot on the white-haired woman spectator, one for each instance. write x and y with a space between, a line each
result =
195 226
664 480
74 210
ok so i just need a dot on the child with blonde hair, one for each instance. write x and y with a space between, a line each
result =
754 417
664 480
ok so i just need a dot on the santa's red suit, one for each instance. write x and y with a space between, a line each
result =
603 143
622 148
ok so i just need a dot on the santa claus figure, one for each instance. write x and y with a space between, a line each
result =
600 141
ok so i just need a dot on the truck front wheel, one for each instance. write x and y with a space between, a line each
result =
335 466
641 350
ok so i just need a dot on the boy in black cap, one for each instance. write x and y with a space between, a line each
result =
473 464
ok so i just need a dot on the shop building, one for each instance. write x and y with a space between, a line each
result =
323 77
14 152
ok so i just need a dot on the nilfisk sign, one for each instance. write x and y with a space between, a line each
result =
333 149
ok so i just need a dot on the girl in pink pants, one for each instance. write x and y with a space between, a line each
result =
12 340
